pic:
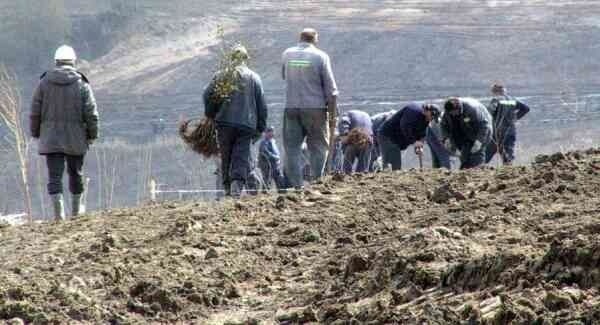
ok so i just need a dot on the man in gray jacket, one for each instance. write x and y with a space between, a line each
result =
240 121
64 118
310 106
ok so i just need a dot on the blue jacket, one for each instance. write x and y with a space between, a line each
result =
246 107
474 122
268 151
406 126
355 119
379 119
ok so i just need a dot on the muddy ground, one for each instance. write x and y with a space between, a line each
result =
514 245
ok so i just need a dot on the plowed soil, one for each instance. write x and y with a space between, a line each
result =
518 245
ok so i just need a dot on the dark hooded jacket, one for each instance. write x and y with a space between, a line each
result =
64 115
379 119
406 126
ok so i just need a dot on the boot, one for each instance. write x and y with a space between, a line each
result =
58 205
77 205
236 189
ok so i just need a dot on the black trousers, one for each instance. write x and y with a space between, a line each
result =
56 169
235 144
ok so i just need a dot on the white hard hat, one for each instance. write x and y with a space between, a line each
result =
65 53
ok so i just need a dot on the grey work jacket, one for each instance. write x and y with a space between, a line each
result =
63 113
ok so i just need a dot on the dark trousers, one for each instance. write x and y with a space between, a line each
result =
353 154
506 148
56 169
374 156
470 159
271 172
440 157
234 145
391 154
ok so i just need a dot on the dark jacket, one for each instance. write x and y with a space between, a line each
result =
355 119
506 111
378 119
246 107
406 126
63 112
472 123
268 151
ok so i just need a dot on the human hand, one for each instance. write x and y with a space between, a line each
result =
476 146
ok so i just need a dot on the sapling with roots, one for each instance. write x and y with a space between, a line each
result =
200 134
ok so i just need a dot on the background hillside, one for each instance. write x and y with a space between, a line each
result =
149 60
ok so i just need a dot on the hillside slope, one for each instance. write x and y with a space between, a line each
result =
518 245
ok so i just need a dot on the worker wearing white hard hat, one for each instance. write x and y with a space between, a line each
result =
64 118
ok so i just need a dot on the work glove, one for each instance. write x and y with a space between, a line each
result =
419 147
476 146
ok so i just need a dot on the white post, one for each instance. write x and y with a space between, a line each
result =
85 192
152 189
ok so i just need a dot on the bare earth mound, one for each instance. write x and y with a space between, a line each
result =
509 246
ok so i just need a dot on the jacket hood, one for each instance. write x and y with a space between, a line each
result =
63 76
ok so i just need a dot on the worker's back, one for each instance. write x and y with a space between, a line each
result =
309 80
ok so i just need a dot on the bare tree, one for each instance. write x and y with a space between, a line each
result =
11 114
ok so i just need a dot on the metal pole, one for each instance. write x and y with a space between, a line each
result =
152 190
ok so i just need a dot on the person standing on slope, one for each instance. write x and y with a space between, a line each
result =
64 117
505 111
240 120
467 127
310 106
406 127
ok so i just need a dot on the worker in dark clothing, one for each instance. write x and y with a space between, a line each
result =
240 119
505 111
269 160
377 121
356 153
440 156
467 127
404 128
64 118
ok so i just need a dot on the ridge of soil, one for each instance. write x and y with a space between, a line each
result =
514 245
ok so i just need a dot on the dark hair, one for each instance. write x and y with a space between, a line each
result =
433 108
308 35
449 105
498 88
